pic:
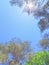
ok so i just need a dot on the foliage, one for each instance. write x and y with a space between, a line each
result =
40 58
44 42
43 24
18 52
3 57
39 8
21 52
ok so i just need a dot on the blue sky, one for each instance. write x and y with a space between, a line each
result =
15 23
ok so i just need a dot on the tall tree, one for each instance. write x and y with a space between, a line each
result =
19 52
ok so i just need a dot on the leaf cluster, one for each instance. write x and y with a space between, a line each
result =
40 58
